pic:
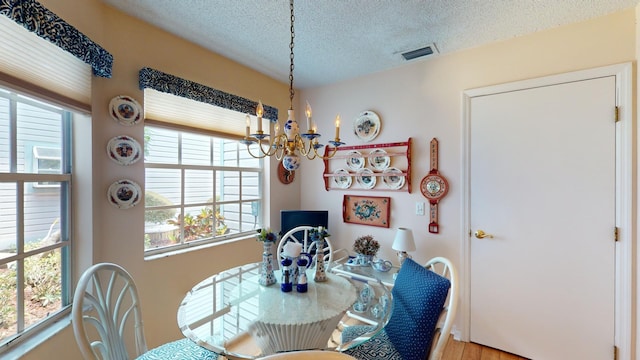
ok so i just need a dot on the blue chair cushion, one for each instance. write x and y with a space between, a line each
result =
418 299
183 349
351 332
376 348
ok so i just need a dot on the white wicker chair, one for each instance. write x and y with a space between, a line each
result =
300 235
443 267
106 311
420 296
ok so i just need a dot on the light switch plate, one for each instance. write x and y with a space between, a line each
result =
420 208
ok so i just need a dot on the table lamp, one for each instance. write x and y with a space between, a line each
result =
403 243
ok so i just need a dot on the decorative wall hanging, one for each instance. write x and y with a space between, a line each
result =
125 110
434 187
285 176
124 194
124 150
366 210
367 126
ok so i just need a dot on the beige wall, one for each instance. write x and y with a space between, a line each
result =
116 235
420 100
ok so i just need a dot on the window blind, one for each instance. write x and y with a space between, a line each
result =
37 67
171 99
160 107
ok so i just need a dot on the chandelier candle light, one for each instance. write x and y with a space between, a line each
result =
286 146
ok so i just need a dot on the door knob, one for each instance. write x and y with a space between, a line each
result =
481 235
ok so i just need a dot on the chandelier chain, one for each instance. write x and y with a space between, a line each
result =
291 66
286 146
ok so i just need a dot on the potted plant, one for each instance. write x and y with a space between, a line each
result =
266 235
365 247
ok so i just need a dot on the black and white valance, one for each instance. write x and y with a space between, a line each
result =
41 21
167 83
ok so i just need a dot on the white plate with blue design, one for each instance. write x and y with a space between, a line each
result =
367 125
365 178
342 179
355 160
393 178
379 160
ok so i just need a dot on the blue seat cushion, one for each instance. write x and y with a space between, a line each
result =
377 348
418 299
183 349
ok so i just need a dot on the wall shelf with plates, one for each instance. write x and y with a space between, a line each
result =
379 167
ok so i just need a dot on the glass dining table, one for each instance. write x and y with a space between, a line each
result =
231 314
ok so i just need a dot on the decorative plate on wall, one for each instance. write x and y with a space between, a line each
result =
367 126
124 150
125 110
393 178
365 178
379 160
355 161
342 179
124 194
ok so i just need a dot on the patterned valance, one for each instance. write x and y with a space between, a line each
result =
157 80
44 23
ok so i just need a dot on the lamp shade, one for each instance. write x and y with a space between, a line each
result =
404 240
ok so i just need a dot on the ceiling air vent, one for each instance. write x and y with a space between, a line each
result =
413 54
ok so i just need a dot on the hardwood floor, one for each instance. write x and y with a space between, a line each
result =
457 350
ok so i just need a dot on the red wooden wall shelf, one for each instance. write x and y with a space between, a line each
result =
398 152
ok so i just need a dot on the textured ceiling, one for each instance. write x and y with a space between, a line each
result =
341 39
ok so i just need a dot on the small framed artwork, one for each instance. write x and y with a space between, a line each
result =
366 210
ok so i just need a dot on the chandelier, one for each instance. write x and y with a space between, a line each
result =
286 145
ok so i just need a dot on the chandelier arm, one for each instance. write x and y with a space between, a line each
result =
270 149
276 147
333 151
259 156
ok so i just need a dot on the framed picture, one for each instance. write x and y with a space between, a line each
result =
366 210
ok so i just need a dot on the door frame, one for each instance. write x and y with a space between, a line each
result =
624 296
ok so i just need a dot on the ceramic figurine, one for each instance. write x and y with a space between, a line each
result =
286 285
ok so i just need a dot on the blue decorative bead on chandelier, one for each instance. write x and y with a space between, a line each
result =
286 146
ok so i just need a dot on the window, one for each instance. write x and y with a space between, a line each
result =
199 188
46 160
34 225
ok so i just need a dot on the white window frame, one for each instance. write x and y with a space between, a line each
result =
38 170
256 202
20 177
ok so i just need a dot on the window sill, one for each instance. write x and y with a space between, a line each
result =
189 248
19 348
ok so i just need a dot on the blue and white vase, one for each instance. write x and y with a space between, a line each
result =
364 260
320 274
267 276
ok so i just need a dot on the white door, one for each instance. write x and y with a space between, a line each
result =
542 182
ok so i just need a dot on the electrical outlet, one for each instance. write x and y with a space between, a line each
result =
420 208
